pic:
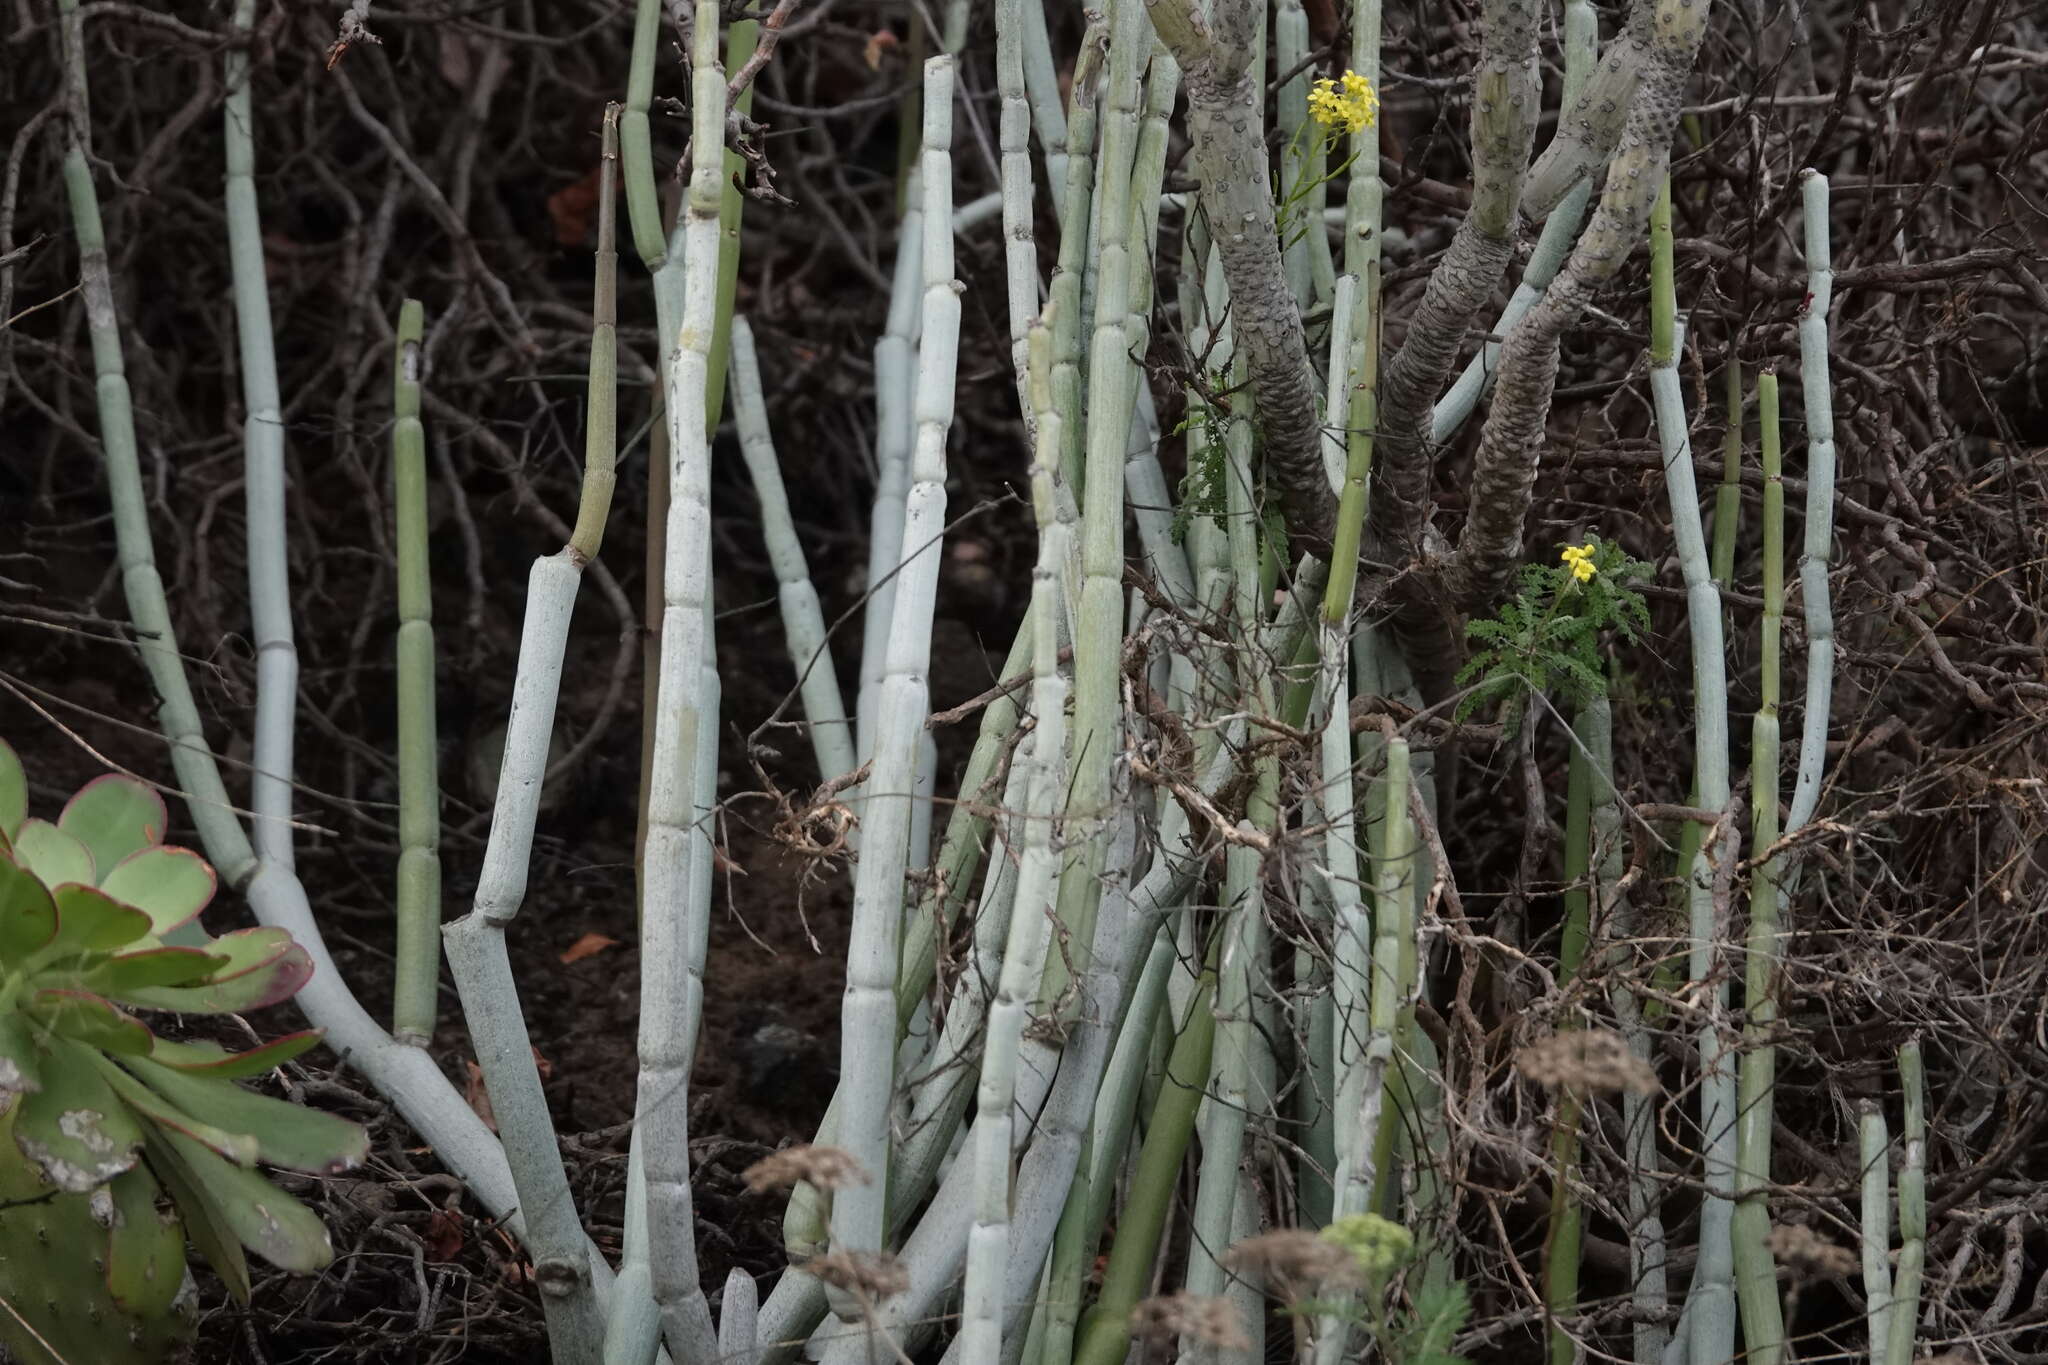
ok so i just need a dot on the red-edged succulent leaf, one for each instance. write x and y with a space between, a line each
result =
91 921
205 1221
21 1062
28 914
114 816
211 1059
286 1134
13 792
170 885
264 966
90 1019
118 977
51 855
74 1129
236 1146
262 1217
145 1246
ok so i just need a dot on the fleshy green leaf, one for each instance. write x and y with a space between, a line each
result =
21 1063
205 1221
53 856
114 816
90 921
238 1147
119 977
264 967
13 792
262 1217
286 1134
170 885
86 1018
211 1059
74 1129
145 1247
28 917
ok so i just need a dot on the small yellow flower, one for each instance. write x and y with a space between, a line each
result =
1580 558
1353 107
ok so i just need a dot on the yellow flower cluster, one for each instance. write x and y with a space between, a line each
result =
1351 103
1580 558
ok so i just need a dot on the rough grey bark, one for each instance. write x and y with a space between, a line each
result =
1505 99
1227 125
1510 447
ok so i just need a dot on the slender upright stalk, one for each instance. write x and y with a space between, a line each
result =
981 1336
868 1027
270 608
1763 1319
577 1328
1711 1306
1567 1222
803 621
1638 1112
1097 739
1105 1330
673 928
1905 1304
1818 393
1728 497
1874 1150
416 974
1020 245
406 1075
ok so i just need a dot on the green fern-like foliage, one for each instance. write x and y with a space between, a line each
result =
1204 491
1547 637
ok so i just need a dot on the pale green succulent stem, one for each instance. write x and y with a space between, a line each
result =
868 1018
405 1075
1817 394
416 972
1020 244
1302 161
1644 1221
1105 1330
477 956
1874 1151
636 146
270 607
1904 1326
1076 195
675 916
1394 974
803 620
1711 1306
1728 497
740 42
981 1331
1763 1324
1567 1222
1231 1100
1112 378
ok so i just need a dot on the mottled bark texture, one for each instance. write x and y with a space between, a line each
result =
1588 131
1505 97
1510 448
1227 126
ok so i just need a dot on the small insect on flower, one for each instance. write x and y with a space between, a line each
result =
1351 104
1580 559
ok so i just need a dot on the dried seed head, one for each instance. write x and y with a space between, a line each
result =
1291 1260
828 1168
870 1275
1806 1253
1212 1322
1585 1062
